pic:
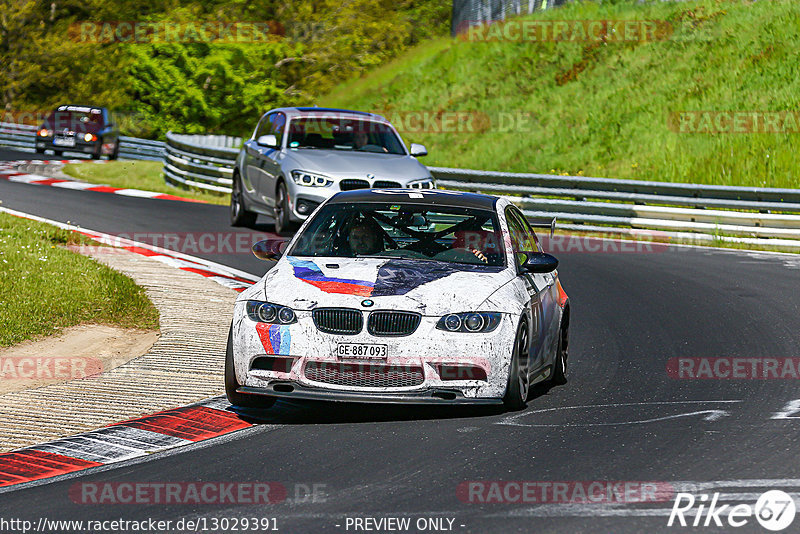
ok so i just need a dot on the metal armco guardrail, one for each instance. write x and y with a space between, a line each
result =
204 162
23 137
702 213
695 212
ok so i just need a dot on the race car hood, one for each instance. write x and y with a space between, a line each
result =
426 287
357 164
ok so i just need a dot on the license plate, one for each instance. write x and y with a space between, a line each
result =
362 351
64 141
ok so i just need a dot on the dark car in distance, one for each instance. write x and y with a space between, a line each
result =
86 129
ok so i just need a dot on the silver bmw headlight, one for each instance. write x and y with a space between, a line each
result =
310 179
425 183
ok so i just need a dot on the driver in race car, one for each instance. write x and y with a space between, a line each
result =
365 238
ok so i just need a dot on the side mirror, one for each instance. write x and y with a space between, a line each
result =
266 250
539 262
268 140
418 150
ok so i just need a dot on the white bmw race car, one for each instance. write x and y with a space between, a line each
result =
398 296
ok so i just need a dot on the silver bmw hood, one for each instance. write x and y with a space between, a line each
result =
355 164
426 287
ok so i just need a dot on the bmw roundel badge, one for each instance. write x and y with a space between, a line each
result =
367 303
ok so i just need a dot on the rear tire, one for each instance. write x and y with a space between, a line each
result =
40 151
560 365
239 215
231 384
518 383
57 152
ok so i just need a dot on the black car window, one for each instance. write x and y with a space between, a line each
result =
531 242
520 240
277 124
264 126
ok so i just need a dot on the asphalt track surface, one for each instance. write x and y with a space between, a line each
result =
620 417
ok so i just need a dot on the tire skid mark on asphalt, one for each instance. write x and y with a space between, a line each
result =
8 172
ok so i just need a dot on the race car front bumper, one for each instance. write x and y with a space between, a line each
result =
436 396
430 366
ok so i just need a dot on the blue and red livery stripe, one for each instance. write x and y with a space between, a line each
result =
309 272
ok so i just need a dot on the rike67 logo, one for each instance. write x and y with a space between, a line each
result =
774 510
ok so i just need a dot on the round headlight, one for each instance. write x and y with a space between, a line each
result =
474 322
88 137
306 179
286 315
267 313
452 322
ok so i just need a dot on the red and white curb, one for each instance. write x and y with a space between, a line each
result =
8 171
137 437
223 275
120 442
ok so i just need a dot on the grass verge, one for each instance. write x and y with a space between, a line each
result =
46 287
573 106
130 174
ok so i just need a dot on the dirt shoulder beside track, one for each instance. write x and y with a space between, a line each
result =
79 353
184 365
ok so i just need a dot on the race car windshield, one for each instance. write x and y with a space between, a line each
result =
337 133
76 121
415 232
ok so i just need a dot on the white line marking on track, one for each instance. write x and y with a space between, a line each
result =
711 415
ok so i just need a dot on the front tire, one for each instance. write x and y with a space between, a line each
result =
239 215
99 152
518 379
283 223
115 154
560 364
231 384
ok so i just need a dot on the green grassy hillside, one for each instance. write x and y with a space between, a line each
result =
604 109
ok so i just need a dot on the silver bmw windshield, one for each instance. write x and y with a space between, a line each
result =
345 134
